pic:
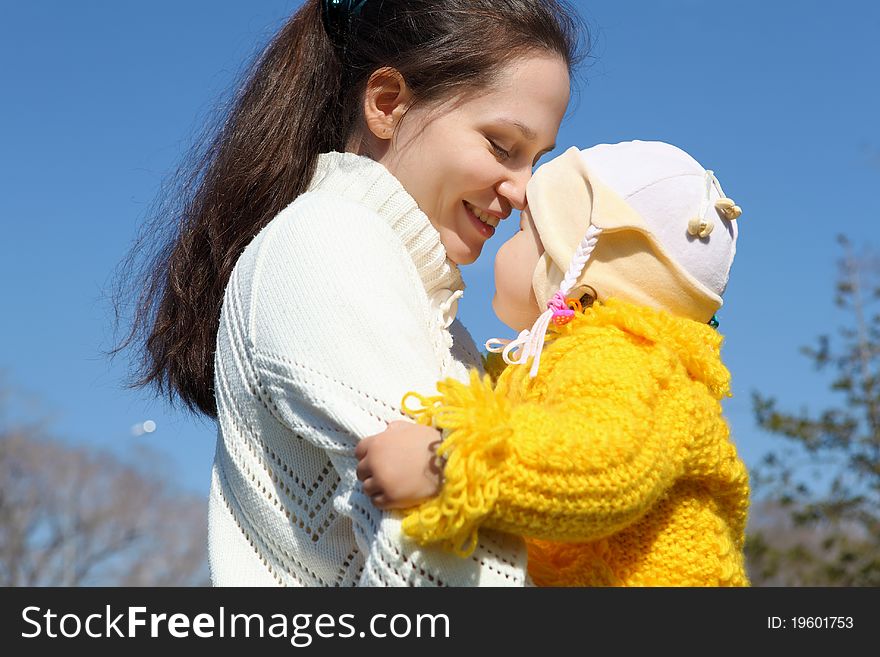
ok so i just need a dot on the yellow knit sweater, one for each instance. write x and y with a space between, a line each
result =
615 461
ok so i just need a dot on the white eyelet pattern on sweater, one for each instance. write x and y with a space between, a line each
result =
343 303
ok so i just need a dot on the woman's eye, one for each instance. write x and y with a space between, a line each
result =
500 152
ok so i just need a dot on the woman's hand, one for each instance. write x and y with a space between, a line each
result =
399 467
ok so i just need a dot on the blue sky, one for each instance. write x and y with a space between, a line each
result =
100 99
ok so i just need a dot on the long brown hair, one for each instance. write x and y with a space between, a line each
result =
301 98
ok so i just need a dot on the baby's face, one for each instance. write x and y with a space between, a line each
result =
515 303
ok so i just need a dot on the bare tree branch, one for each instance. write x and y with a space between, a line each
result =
73 516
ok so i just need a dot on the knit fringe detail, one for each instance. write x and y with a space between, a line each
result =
476 446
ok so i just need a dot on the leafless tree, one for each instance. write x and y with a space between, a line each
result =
75 516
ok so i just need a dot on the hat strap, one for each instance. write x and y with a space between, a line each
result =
531 342
579 260
704 204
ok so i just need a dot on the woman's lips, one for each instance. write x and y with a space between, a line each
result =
485 230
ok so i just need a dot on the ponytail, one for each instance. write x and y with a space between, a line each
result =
261 156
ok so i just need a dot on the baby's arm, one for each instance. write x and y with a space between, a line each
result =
607 440
399 467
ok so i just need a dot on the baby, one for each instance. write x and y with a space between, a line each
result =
606 448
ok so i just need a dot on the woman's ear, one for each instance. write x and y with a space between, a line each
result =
386 99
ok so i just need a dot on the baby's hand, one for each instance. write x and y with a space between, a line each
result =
399 467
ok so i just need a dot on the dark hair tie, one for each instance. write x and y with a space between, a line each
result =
337 16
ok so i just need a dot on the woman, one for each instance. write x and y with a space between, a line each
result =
374 148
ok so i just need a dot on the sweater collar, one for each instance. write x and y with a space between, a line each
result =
365 181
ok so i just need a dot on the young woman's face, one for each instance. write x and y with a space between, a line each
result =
467 162
515 303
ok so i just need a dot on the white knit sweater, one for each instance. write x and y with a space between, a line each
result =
343 303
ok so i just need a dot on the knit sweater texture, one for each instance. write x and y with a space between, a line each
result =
345 301
615 460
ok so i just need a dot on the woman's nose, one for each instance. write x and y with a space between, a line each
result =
513 187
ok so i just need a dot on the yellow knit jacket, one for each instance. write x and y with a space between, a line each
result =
614 462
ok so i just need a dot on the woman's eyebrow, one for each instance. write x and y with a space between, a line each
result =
526 131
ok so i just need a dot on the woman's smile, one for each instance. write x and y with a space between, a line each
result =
481 220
